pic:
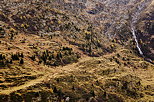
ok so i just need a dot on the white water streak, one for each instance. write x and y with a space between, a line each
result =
137 44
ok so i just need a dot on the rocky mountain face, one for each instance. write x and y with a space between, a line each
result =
111 16
146 32
76 51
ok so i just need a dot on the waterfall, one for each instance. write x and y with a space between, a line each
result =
137 44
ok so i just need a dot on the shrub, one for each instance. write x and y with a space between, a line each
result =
15 57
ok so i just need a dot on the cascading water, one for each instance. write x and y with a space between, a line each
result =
135 17
137 44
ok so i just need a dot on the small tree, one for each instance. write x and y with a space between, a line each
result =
92 93
55 90
21 61
2 64
11 61
22 55
33 57
2 57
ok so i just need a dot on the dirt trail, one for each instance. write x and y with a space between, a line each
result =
28 84
57 71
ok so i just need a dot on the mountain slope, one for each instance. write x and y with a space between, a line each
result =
76 50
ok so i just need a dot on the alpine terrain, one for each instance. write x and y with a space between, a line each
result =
76 50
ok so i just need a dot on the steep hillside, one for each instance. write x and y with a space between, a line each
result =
146 32
76 51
